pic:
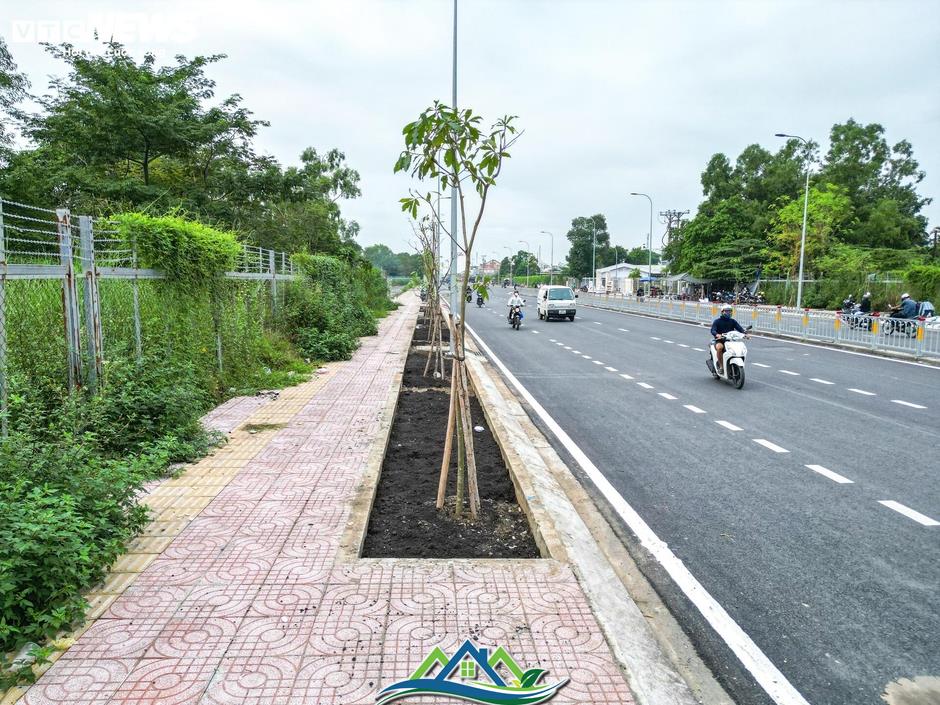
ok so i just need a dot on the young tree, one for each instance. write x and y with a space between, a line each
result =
448 144
430 269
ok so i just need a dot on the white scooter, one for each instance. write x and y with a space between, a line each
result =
735 354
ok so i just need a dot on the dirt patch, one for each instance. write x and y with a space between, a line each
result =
404 521
258 427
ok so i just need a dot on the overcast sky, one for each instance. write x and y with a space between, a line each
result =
614 96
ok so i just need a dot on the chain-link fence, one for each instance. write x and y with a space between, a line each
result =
73 296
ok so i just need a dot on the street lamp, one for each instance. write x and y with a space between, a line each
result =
649 274
594 256
551 266
527 257
799 286
511 258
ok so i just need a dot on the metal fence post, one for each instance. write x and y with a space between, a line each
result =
93 334
69 298
273 269
138 344
3 328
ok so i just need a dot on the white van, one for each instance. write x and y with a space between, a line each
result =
556 302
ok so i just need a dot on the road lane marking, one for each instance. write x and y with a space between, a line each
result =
626 376
597 323
682 345
728 425
536 332
653 337
664 395
552 340
611 369
699 349
772 446
694 409
567 347
586 357
597 362
863 392
668 341
821 381
760 364
645 385
624 330
788 372
767 675
908 512
834 476
907 403
576 352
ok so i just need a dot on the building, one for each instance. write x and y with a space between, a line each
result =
490 268
616 278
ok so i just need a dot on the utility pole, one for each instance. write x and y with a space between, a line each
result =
454 301
673 221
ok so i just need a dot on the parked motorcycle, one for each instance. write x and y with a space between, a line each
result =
895 323
515 317
735 354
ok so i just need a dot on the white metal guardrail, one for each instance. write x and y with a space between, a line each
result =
918 338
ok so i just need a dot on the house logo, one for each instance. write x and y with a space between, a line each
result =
522 689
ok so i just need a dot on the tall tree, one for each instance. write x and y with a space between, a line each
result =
582 239
13 87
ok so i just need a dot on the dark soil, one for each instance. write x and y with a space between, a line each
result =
404 522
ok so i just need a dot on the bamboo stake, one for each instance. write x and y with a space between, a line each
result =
461 448
470 455
445 463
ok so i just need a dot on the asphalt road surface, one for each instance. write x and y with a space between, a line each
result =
807 503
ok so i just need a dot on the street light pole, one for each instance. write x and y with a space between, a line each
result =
594 255
551 266
453 205
799 285
649 274
528 256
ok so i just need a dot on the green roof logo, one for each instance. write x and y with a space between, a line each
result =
472 663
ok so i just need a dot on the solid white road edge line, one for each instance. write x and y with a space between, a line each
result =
907 403
908 512
772 446
767 675
834 476
728 425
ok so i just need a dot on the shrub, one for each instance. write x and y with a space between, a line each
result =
924 281
326 345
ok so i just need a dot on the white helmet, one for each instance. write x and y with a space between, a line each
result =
867 295
726 307
905 295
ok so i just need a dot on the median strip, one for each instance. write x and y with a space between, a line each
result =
909 513
834 476
772 446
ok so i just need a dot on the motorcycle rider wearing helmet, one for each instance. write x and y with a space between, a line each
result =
865 305
908 307
721 325
514 300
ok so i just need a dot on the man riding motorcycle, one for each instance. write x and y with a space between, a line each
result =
907 308
865 306
514 300
721 325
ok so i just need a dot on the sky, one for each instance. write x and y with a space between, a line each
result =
613 96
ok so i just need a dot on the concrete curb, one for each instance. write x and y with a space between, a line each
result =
572 529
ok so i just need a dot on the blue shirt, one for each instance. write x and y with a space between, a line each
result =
909 308
724 325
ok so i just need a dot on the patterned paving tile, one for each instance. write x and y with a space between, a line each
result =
260 680
110 639
167 681
283 635
194 637
347 679
294 599
79 682
158 602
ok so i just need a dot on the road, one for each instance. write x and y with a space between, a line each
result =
806 503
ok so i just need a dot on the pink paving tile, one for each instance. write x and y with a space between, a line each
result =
351 619
488 598
204 526
230 601
553 633
595 678
226 508
110 639
283 635
167 681
157 602
346 679
265 680
409 639
296 599
174 571
255 545
309 570
79 682
188 546
194 637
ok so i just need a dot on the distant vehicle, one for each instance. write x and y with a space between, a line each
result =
556 302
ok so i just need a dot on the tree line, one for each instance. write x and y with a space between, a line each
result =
115 134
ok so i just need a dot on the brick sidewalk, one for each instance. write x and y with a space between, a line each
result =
235 594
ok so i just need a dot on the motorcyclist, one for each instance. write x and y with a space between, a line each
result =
907 308
864 307
514 300
721 325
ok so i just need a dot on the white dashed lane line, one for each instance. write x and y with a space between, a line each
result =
586 357
728 425
576 352
624 330
668 341
907 403
536 332
626 376
699 349
820 381
552 340
611 369
694 409
834 476
759 364
664 395
772 446
645 385
597 362
908 512
597 323
682 345
788 372
862 392
653 337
